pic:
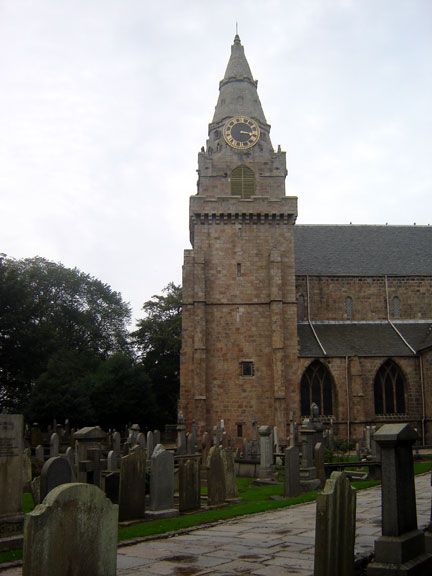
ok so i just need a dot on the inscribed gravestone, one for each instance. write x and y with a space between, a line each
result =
215 478
55 472
335 528
162 479
11 463
73 532
266 452
132 485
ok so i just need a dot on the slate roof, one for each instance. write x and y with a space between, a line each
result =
365 250
363 338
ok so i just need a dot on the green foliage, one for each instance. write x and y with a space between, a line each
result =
158 341
53 319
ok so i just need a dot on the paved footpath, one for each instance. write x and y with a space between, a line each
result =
274 543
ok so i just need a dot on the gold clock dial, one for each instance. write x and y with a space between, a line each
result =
240 132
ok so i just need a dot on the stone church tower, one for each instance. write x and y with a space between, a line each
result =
239 334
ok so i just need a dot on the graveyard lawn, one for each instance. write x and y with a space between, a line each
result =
253 498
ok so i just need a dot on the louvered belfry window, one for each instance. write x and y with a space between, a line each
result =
242 182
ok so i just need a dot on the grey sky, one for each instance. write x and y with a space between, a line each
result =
104 105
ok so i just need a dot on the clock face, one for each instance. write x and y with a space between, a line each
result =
240 132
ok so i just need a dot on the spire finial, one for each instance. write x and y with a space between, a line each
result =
237 37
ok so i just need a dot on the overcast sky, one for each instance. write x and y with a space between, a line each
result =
104 105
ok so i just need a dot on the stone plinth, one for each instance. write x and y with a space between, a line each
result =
401 548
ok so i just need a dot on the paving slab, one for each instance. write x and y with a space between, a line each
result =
266 544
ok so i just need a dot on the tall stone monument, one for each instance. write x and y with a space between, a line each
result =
11 464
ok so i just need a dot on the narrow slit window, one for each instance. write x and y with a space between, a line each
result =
239 430
239 269
349 308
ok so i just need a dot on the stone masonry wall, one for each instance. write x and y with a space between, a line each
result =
327 296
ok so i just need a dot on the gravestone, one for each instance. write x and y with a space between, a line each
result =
401 548
141 440
55 472
27 469
292 486
227 456
335 528
73 532
215 477
54 444
150 444
189 484
308 477
39 453
116 442
112 486
70 456
132 485
113 461
319 452
88 454
11 463
181 435
162 483
156 437
265 471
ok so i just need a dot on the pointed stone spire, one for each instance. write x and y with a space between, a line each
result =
238 90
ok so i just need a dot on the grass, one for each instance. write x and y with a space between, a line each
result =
253 499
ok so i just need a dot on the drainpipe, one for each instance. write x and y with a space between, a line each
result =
309 317
348 401
423 401
415 353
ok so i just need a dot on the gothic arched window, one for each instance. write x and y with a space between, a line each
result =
242 182
300 308
396 308
349 308
389 389
316 386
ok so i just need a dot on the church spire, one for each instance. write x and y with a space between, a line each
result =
238 90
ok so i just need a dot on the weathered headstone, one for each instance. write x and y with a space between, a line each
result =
88 454
70 456
116 442
132 485
265 471
11 463
112 486
141 440
73 532
319 452
401 548
55 472
150 444
181 435
215 477
292 472
189 484
308 478
162 481
39 453
227 456
113 461
335 528
54 444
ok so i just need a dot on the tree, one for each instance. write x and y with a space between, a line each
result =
158 341
49 312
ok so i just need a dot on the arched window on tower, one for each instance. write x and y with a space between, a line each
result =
242 182
396 307
389 389
316 386
300 308
349 308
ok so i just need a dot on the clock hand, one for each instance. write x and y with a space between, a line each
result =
244 132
